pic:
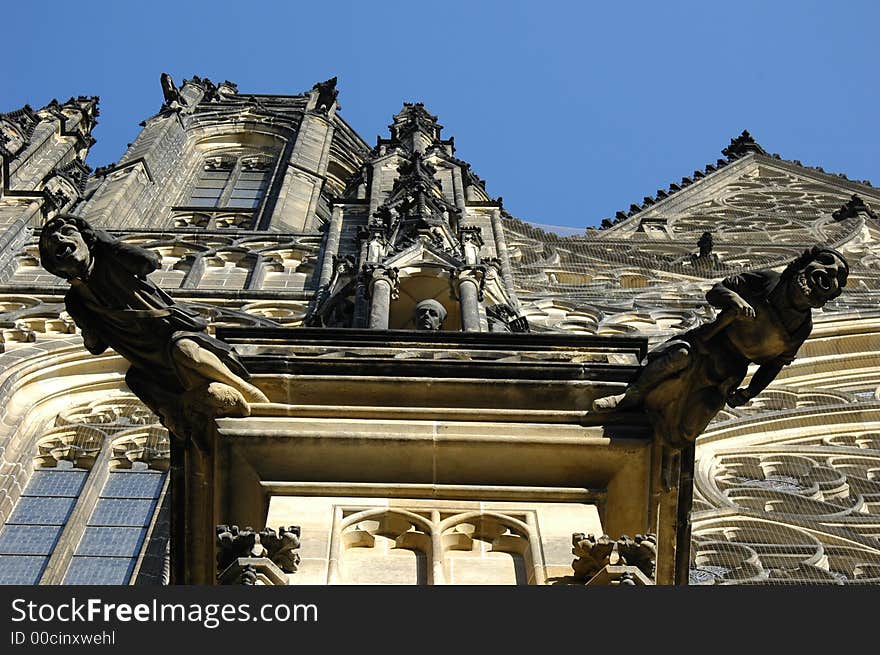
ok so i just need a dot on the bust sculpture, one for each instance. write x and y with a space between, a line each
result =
177 369
765 317
429 315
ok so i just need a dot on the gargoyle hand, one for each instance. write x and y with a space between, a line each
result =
739 305
739 397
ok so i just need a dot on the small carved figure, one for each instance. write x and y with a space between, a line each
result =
170 92
177 369
765 317
503 318
429 315
706 258
327 94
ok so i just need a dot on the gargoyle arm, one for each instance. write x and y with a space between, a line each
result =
722 296
136 260
92 343
765 374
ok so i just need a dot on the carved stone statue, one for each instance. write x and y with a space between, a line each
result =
170 92
705 258
429 315
765 317
327 94
177 369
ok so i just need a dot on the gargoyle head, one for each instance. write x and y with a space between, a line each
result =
66 244
816 277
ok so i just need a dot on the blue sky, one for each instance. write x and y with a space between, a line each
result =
569 110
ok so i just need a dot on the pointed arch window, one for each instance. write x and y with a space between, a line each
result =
227 182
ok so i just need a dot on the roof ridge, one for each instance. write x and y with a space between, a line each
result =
739 148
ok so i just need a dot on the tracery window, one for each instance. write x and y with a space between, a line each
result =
89 513
227 182
32 530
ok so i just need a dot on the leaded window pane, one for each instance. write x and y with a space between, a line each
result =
244 203
28 539
99 570
123 512
120 542
42 510
21 569
132 484
53 482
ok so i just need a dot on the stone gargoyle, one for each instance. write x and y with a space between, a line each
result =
764 318
178 370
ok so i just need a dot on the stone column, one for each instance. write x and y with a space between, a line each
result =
331 245
469 282
504 256
383 289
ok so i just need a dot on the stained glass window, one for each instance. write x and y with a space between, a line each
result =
32 530
114 537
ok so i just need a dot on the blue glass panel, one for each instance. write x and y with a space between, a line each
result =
28 539
122 542
99 570
55 482
246 203
41 510
117 511
134 485
21 569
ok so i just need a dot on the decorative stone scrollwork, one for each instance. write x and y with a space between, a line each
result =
734 550
149 446
79 445
596 554
111 415
243 547
280 546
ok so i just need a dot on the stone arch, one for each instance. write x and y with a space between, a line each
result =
386 546
419 283
487 548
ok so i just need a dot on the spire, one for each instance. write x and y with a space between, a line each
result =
742 145
416 206
16 129
415 128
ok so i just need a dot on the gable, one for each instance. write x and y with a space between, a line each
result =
754 199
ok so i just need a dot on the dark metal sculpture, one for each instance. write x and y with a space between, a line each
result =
178 370
765 317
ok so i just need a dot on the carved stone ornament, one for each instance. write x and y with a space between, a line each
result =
429 315
326 93
853 207
184 375
705 258
170 93
765 317
235 544
595 554
503 318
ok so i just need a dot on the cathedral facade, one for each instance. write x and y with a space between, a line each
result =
430 362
